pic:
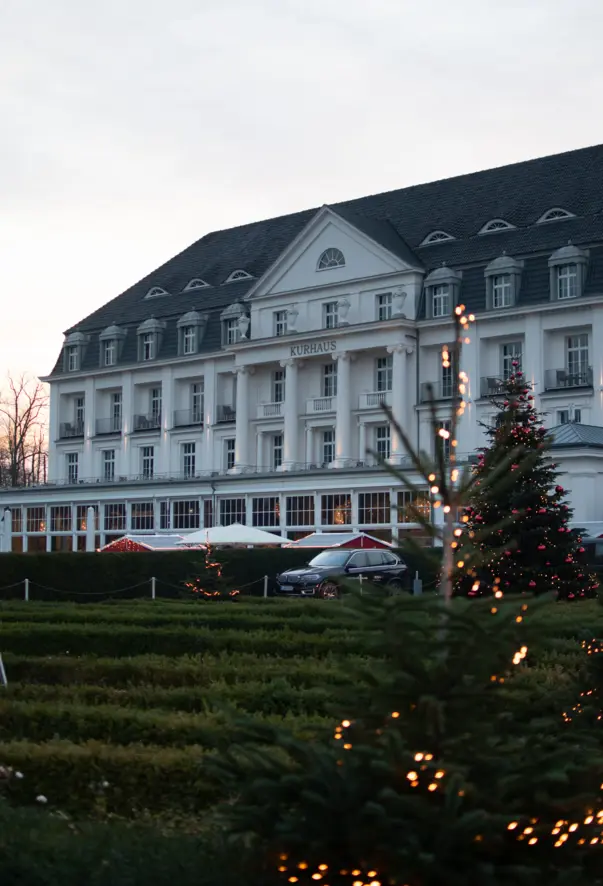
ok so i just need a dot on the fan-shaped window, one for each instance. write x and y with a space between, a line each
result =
196 283
497 224
555 214
436 237
238 275
155 292
331 258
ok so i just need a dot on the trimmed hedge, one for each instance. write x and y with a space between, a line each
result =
89 577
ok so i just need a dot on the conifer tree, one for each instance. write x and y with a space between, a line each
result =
527 545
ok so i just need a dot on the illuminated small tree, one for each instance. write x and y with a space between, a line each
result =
212 584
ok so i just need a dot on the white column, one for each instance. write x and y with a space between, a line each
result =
399 397
362 453
309 446
596 359
167 401
259 459
291 415
532 352
242 420
317 511
90 529
211 460
53 431
87 468
343 410
124 468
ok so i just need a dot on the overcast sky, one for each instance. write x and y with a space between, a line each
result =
129 128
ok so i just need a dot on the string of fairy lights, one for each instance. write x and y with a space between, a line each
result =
426 773
211 565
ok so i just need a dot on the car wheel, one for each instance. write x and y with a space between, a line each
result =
328 591
395 586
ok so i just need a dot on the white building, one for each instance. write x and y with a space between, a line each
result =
243 380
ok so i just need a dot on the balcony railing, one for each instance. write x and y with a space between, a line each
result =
108 425
186 418
225 414
71 429
375 399
437 390
491 386
559 379
150 422
320 404
270 410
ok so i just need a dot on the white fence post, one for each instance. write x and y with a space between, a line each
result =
265 586
26 591
153 587
3 679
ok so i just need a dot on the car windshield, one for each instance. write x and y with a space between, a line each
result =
330 558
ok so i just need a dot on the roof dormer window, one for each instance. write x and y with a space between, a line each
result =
555 214
495 225
195 283
567 267
331 258
191 327
111 344
436 237
441 292
155 292
73 351
150 334
239 274
503 278
235 324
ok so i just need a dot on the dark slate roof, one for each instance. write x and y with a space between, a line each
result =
399 220
573 434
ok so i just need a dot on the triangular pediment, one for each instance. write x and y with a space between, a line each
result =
362 246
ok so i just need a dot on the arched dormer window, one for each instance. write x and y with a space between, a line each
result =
73 351
442 288
331 258
555 214
235 324
191 328
195 283
495 225
239 274
436 237
567 268
150 334
503 278
155 292
111 344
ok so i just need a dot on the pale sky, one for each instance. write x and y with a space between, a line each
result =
129 128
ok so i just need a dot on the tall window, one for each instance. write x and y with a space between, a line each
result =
383 373
164 515
148 346
300 510
511 352
109 352
143 515
229 453
444 440
373 507
188 459
155 403
81 518
329 380
189 340
411 501
60 518
186 514
441 300
36 519
266 511
336 510
447 376
72 467
567 281
501 291
116 402
277 451
383 444
576 351
328 446
147 461
72 358
384 306
80 413
278 386
108 465
115 517
232 510
280 322
198 401
230 330
329 315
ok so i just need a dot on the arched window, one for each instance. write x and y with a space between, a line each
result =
155 292
496 224
436 237
331 258
238 275
195 283
555 214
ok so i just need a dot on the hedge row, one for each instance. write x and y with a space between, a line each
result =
119 640
87 577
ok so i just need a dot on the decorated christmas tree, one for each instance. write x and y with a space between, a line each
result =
530 547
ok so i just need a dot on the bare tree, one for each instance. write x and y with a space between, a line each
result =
23 454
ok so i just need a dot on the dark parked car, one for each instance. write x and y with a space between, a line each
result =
320 577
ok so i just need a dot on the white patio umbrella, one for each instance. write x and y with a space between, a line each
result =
235 534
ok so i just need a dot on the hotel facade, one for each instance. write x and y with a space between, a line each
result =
244 380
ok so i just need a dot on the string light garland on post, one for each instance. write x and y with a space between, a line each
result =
213 586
